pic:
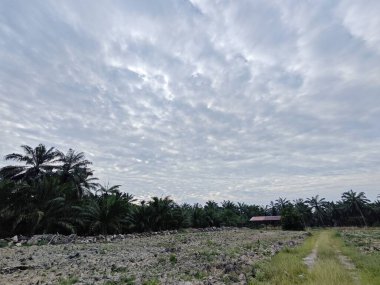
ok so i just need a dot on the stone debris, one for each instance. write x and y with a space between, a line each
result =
206 256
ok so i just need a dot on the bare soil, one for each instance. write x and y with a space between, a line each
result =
183 258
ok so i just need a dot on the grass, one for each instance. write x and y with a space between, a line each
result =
288 268
367 263
207 255
173 259
125 280
68 281
151 282
328 269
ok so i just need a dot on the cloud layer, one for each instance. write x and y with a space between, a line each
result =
240 100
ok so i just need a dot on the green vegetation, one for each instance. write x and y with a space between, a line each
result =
68 281
287 267
151 282
54 192
291 219
337 262
173 259
363 248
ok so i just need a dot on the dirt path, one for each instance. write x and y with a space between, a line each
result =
349 265
326 258
311 258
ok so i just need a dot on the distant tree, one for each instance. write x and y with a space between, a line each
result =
304 210
318 206
74 169
212 213
161 212
198 217
291 219
38 162
141 217
355 202
282 203
107 214
230 214
272 210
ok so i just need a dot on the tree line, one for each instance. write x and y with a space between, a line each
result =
55 192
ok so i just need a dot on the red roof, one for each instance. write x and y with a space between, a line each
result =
265 218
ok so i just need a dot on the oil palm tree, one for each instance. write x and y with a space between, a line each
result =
271 210
161 211
353 201
74 168
41 207
140 217
318 206
106 214
282 203
304 210
38 161
212 213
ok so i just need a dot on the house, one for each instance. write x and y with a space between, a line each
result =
267 220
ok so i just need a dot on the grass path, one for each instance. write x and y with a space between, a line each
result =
319 261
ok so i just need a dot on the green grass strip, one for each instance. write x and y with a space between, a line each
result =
367 264
288 268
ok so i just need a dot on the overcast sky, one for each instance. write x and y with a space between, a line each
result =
239 100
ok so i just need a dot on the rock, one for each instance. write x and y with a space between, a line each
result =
19 244
9 270
15 239
74 255
228 268
32 241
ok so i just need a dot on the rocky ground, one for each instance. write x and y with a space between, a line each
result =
195 257
367 240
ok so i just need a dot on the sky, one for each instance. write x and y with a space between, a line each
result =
245 100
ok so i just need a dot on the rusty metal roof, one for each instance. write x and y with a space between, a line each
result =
265 218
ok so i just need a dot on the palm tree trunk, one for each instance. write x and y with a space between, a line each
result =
361 213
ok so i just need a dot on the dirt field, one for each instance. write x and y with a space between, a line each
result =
224 257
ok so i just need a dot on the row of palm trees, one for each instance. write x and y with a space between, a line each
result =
51 191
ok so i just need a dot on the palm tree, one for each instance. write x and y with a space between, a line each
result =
7 210
353 201
38 162
106 189
230 214
318 206
106 214
141 217
271 210
304 210
75 169
41 207
212 213
282 203
198 217
161 211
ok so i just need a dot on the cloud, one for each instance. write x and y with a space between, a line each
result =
246 101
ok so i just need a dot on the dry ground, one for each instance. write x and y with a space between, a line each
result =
224 257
